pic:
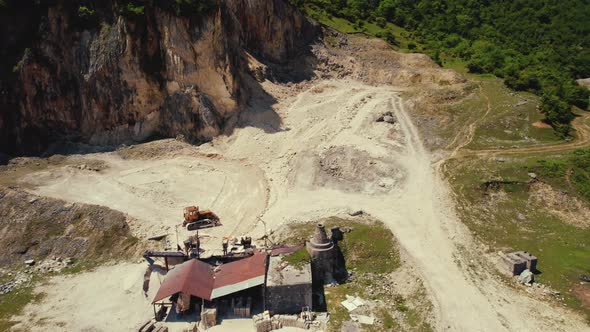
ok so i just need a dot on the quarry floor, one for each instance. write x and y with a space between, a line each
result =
315 154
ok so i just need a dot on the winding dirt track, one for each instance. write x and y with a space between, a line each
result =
418 209
389 174
582 140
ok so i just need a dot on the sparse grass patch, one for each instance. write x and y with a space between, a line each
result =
297 259
369 247
338 314
371 252
389 322
509 122
80 266
13 303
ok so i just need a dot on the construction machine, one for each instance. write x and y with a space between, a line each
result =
195 219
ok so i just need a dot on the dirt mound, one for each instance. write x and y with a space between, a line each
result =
541 124
567 207
353 170
33 227
375 62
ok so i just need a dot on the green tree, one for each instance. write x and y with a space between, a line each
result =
557 113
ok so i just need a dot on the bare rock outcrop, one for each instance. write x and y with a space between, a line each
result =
124 79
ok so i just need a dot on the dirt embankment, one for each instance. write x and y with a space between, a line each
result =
33 227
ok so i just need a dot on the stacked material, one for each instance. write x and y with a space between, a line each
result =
208 318
518 261
264 322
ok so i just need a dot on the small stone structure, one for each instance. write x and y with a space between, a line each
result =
518 261
264 322
288 288
323 255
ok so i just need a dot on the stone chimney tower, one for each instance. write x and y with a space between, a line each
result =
322 251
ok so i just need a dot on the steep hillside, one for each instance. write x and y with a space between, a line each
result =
112 72
34 227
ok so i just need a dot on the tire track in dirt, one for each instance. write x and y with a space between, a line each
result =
582 140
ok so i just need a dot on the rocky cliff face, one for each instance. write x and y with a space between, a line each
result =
125 79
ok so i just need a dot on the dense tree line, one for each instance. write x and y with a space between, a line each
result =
540 46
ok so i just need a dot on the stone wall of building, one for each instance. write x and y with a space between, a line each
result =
288 299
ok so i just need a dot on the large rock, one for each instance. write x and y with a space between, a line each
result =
526 277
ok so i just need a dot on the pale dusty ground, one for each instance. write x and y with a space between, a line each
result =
95 301
296 173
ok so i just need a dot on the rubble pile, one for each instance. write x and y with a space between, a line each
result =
388 117
55 265
264 322
20 279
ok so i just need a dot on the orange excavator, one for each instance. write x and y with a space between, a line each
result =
195 219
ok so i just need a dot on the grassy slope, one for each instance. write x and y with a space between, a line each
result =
369 248
370 251
492 215
13 303
510 121
563 249
368 28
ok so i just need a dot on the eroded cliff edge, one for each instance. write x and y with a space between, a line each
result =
115 78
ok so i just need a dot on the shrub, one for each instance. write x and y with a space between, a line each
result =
390 38
380 21
132 10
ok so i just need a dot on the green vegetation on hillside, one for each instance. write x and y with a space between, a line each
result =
511 122
371 254
573 169
497 202
369 248
538 46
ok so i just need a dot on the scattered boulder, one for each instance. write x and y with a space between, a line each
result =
389 119
386 117
30 262
356 213
526 277
585 278
21 278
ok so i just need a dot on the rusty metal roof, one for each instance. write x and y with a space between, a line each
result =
208 282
